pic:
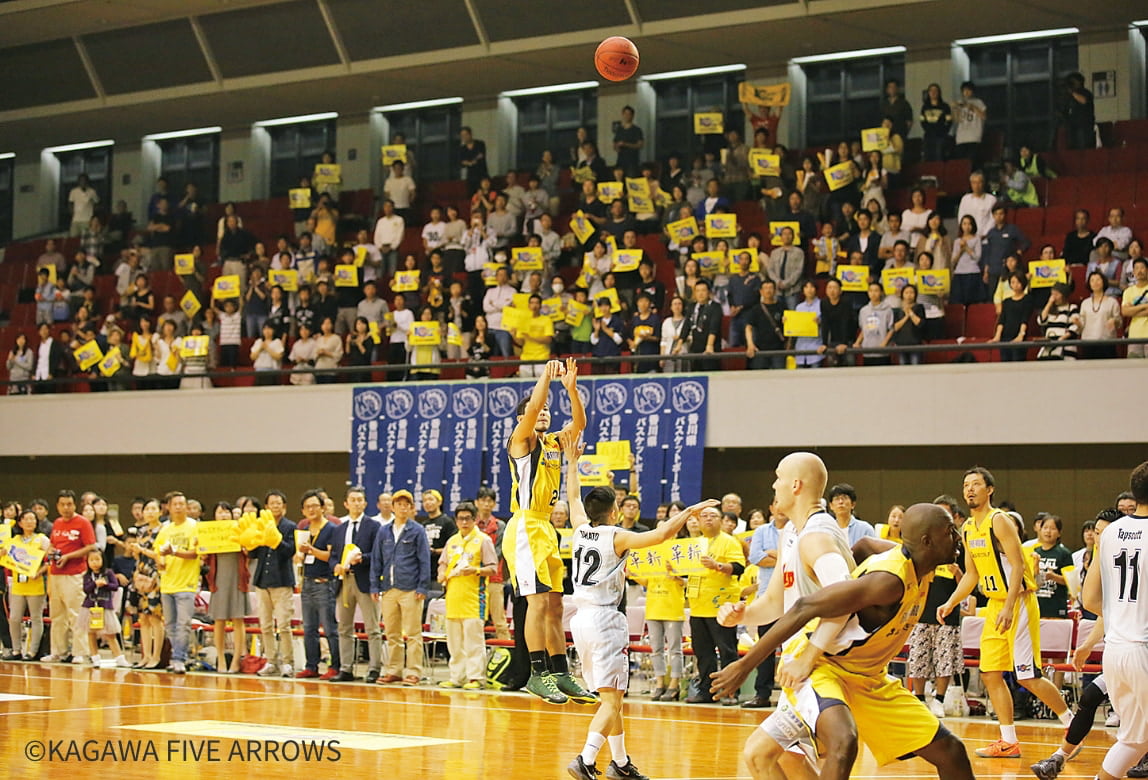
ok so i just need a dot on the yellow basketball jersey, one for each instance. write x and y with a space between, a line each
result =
992 565
870 651
465 596
536 477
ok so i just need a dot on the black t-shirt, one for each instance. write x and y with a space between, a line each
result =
1051 596
439 530
476 172
839 322
939 592
767 333
1078 249
910 334
1014 313
628 158
655 289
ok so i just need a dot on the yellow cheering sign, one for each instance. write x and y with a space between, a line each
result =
453 335
193 346
87 355
393 153
581 226
285 278
767 95
853 278
23 556
327 173
609 191
762 162
875 139
736 256
553 308
189 304
1046 273
934 282
710 263
184 264
299 198
425 334
226 287
514 318
721 225
575 313
641 204
800 324
893 280
111 362
406 281
346 275
840 175
775 229
217 536
616 453
527 258
683 231
490 273
610 293
593 471
626 260
638 186
709 123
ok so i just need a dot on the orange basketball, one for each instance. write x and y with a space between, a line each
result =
616 58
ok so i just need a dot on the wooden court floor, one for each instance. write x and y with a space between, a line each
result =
74 722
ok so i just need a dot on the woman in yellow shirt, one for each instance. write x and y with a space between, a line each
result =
665 617
891 528
28 593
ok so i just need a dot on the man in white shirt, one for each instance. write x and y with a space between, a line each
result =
400 189
83 200
496 299
978 204
969 112
434 232
386 510
388 237
373 261
514 196
891 236
1117 232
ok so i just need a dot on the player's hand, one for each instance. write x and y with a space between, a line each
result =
553 369
1080 657
943 611
794 670
730 615
728 681
698 507
570 374
1004 619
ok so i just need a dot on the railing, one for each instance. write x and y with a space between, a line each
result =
634 361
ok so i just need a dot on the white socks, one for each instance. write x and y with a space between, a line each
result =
594 743
1008 734
1066 718
618 749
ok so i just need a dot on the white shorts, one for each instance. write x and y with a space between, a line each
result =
788 725
1126 675
602 638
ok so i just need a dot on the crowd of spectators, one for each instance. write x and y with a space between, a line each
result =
144 570
595 284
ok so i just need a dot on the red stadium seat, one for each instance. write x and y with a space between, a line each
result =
1078 277
980 321
1030 221
954 320
1063 191
1058 219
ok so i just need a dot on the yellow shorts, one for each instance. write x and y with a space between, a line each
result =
891 722
1017 649
530 547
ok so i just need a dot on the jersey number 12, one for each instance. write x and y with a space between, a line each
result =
592 562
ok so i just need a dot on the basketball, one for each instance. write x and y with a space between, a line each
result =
616 58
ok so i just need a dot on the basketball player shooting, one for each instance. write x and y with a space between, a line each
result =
600 629
529 544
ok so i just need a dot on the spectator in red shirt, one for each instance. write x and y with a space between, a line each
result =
72 539
493 527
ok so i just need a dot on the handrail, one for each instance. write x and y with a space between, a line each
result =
636 360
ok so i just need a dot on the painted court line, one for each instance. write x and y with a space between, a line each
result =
141 706
357 740
19 697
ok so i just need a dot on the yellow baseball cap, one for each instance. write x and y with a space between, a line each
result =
434 493
402 494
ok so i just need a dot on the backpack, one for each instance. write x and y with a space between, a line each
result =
498 668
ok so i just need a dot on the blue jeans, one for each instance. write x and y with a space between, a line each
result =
177 611
254 325
504 342
318 602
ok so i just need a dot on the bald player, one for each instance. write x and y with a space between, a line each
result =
813 551
850 696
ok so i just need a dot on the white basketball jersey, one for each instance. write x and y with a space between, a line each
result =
1123 563
598 574
796 580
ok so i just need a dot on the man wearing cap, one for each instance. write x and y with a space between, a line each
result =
400 578
360 530
440 528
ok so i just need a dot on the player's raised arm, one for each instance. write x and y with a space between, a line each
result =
628 540
577 422
524 431
876 588
572 447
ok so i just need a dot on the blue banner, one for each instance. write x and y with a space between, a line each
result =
452 436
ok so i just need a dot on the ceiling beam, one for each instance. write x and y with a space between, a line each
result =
476 20
205 48
635 17
94 77
333 31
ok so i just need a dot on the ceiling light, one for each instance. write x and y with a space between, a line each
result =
182 133
297 120
848 55
571 87
418 104
79 147
1025 36
685 74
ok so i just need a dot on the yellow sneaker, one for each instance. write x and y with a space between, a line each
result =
1000 749
449 684
473 685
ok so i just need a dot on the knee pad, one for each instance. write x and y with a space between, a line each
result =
1121 757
